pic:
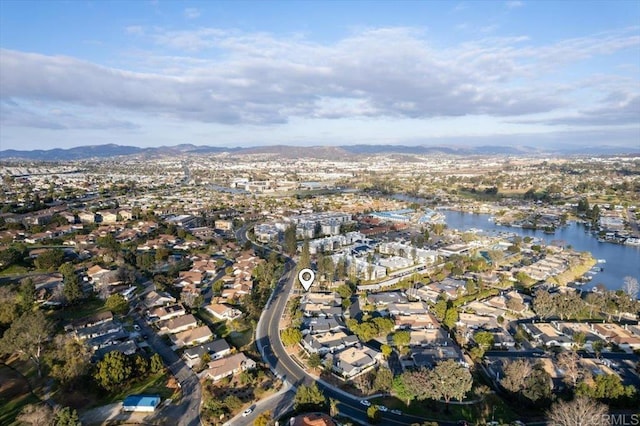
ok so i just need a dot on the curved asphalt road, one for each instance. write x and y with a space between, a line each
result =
273 353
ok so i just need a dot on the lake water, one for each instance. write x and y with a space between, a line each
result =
621 260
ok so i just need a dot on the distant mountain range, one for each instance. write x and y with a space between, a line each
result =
292 152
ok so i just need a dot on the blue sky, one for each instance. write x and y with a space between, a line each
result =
243 73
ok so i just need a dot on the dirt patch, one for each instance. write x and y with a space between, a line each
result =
12 384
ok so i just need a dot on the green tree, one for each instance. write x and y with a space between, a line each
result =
305 256
374 415
49 260
156 363
384 380
309 398
232 402
450 380
27 337
70 360
290 240
291 336
66 416
72 290
344 291
450 318
440 309
263 419
484 339
117 304
114 370
386 350
401 338
606 387
140 365
418 383
314 361
26 295
109 242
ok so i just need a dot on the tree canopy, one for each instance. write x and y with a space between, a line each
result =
27 337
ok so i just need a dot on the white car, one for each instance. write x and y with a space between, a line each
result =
382 408
397 412
136 327
365 402
246 412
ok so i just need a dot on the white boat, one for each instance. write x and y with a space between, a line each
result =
602 260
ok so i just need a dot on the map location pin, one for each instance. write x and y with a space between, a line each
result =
306 277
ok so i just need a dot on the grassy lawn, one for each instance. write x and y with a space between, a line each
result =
240 339
491 406
13 270
10 409
153 384
87 307
14 391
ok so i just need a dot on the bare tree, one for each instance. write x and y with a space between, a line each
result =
581 411
516 374
36 415
631 287
569 362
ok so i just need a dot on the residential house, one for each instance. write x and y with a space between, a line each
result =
225 225
96 273
428 337
320 310
386 298
429 356
191 337
189 278
87 217
216 349
127 347
109 216
224 367
424 320
354 360
327 299
177 324
313 325
163 313
98 330
223 311
409 308
328 342
424 293
97 319
618 334
154 298
547 335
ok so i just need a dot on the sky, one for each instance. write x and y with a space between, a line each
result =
251 73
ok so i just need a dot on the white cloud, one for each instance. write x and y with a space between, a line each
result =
134 29
514 4
192 13
257 78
